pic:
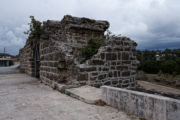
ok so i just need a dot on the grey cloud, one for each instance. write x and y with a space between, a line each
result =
152 24
12 38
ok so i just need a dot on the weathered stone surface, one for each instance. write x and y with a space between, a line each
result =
86 94
60 54
148 106
83 77
31 100
114 64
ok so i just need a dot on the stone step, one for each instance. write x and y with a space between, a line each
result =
87 94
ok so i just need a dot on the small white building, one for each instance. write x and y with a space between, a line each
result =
5 60
157 57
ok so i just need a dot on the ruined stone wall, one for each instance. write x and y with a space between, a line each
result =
26 58
60 51
79 31
49 52
115 64
61 44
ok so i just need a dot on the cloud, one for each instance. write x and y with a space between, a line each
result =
12 38
152 24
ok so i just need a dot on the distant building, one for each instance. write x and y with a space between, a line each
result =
5 60
158 57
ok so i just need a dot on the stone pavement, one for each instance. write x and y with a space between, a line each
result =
87 94
25 98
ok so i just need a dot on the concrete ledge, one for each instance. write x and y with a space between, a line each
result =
59 87
87 94
148 106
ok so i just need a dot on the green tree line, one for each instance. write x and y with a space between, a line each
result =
155 61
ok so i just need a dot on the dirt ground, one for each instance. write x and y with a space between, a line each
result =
159 88
25 98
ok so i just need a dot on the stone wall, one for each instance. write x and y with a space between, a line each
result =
60 51
148 106
115 64
26 58
49 52
61 44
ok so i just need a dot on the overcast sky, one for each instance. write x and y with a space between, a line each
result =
153 24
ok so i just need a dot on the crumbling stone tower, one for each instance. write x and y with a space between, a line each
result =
56 57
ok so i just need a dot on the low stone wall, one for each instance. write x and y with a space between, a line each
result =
150 107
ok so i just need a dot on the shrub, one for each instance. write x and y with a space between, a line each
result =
150 66
169 66
34 31
92 48
160 73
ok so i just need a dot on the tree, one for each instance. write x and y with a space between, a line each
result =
150 66
34 31
169 66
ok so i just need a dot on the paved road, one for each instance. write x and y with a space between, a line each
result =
24 98
9 70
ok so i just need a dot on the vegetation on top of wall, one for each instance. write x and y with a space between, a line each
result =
92 48
34 31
